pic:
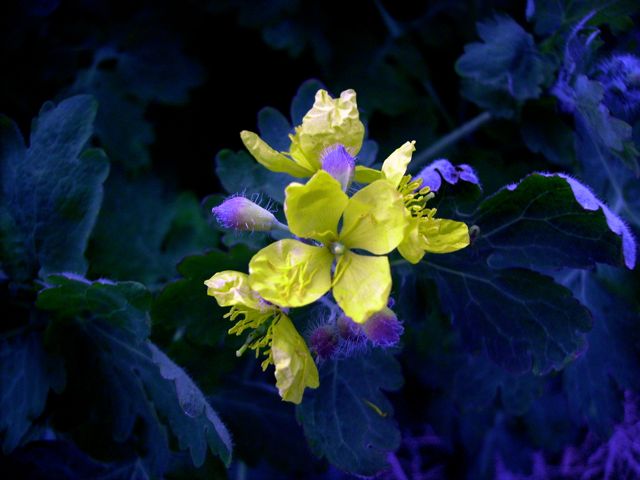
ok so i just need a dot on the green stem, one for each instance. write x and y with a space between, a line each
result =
450 139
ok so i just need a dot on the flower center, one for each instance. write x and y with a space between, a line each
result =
337 248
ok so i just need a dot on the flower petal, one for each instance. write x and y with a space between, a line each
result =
374 219
395 166
444 236
361 285
366 174
412 245
232 288
290 273
271 159
314 209
329 122
295 368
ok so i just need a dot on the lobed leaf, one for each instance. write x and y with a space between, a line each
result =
348 419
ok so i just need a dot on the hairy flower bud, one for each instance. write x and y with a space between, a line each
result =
240 213
383 329
339 163
323 341
620 77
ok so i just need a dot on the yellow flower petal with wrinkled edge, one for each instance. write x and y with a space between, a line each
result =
295 368
361 285
329 122
290 273
412 245
444 236
395 166
232 288
374 219
314 209
366 175
271 159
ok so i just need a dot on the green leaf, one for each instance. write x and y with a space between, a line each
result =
155 231
184 305
27 374
523 320
508 60
127 378
53 190
543 222
348 419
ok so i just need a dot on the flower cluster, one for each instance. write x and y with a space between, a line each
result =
345 220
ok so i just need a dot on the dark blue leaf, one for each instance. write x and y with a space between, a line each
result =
551 220
27 373
53 190
133 379
508 60
348 419
303 100
274 129
523 320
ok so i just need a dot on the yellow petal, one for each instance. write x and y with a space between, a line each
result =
361 285
412 245
329 122
395 166
271 159
366 175
295 368
232 288
290 273
444 236
314 209
374 219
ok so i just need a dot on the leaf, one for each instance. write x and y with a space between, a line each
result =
27 373
125 76
507 61
130 380
347 419
62 459
155 231
264 426
239 173
53 190
478 380
521 319
183 305
303 99
551 221
544 132
594 382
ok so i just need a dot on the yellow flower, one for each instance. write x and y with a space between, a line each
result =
290 273
423 232
271 329
329 122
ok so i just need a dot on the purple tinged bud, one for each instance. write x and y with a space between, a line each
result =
383 329
323 342
240 213
433 174
348 329
339 163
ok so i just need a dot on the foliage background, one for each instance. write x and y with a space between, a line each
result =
114 363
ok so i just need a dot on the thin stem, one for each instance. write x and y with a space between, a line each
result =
280 226
450 139
396 468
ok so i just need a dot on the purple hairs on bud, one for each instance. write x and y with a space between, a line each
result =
340 164
240 213
620 77
383 329
324 341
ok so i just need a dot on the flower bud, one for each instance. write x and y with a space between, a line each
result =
339 163
323 341
348 329
383 329
240 213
